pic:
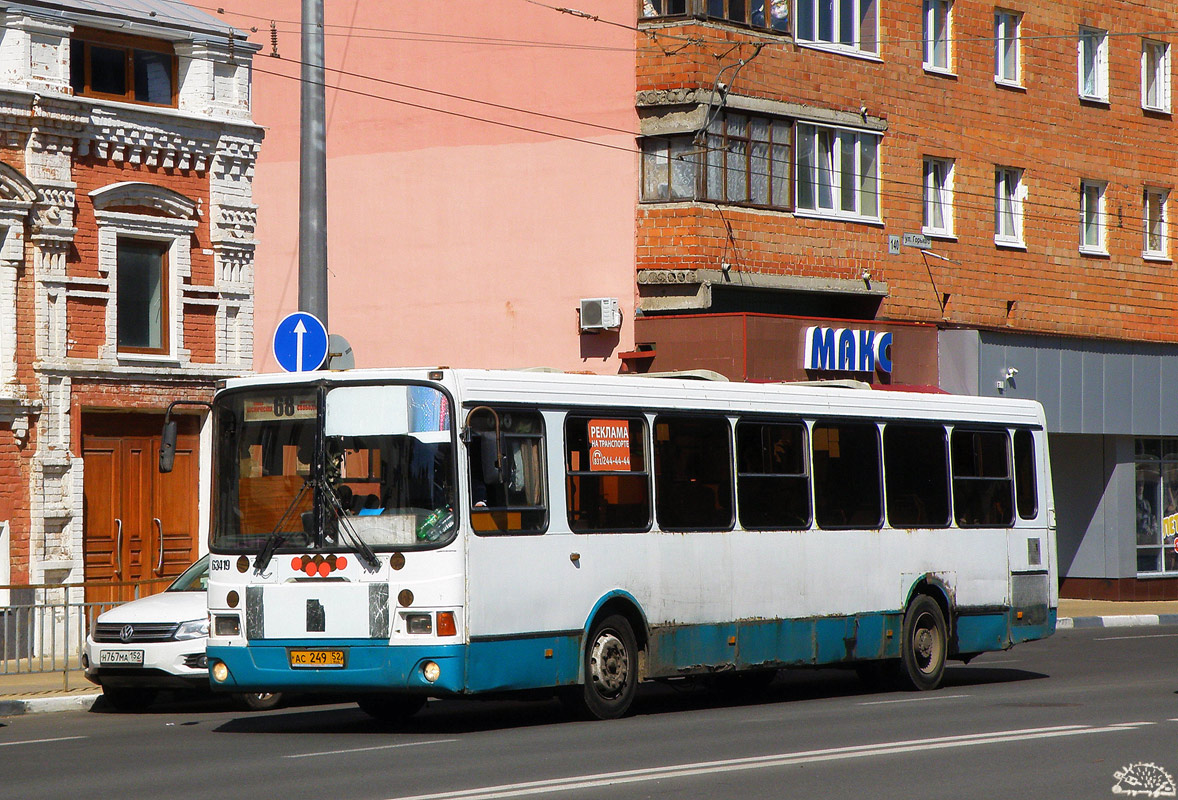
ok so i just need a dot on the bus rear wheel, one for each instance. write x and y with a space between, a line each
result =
391 708
925 644
611 669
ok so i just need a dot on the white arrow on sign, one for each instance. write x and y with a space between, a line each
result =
299 330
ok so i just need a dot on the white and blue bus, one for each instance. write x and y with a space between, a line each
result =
410 533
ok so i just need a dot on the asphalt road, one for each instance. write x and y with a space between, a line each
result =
1058 719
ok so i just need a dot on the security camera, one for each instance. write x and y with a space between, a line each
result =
1011 372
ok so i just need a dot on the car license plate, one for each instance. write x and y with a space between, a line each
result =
317 659
124 658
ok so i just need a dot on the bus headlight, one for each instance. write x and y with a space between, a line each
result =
431 671
220 672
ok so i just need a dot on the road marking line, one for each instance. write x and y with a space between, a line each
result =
364 749
1147 636
914 699
602 780
42 741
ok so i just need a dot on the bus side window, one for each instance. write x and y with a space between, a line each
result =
1026 496
847 485
693 473
607 481
772 482
983 490
508 497
916 475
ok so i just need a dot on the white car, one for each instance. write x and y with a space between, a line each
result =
157 642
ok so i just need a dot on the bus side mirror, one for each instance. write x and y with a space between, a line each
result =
491 457
168 446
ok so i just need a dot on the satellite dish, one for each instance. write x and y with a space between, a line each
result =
339 353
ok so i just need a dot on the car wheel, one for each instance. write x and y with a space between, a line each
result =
258 701
129 699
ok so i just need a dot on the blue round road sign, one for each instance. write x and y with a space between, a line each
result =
300 342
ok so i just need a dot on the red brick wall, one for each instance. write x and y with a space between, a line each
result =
200 333
1045 130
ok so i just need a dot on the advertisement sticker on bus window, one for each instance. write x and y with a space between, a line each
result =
280 407
609 445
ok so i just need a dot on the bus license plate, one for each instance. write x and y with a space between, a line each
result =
316 659
125 658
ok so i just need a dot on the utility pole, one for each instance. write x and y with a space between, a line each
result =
313 168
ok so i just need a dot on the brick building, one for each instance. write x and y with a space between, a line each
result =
126 277
989 182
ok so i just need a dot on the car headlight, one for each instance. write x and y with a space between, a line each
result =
194 629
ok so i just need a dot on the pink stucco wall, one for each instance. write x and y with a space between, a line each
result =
453 240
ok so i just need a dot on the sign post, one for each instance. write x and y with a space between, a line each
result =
300 342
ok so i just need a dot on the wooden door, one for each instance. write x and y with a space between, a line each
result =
139 525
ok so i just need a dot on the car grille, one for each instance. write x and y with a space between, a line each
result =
140 632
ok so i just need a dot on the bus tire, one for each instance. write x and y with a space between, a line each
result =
391 708
611 669
925 644
258 701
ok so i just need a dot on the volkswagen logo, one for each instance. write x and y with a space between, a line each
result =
126 633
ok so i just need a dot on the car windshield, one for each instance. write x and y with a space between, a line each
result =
193 579
379 473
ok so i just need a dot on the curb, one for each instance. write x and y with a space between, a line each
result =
1119 621
38 705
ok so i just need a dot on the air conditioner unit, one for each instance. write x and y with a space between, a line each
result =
600 314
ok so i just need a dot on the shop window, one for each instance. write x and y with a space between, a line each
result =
772 481
118 67
607 479
770 15
505 449
693 473
847 483
142 315
983 487
916 466
742 160
1156 505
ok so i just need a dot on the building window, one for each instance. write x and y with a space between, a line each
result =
1092 217
1093 55
849 25
1008 206
1156 239
1006 47
744 161
744 12
119 67
1157 505
838 172
1155 75
937 56
938 196
141 285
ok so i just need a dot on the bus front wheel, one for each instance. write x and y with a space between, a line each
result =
925 643
611 669
391 708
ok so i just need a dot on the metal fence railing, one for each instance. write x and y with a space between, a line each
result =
43 627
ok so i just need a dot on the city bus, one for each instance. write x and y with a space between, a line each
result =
404 534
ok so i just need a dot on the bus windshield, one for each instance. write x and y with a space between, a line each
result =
342 468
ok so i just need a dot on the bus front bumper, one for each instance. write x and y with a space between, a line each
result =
366 667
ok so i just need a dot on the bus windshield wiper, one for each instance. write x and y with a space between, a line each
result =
278 535
342 524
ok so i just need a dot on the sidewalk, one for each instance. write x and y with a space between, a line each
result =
40 692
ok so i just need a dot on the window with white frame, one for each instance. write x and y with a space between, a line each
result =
1006 47
938 196
772 15
937 55
849 25
1156 238
1009 194
1093 64
837 172
1092 216
1155 75
141 281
